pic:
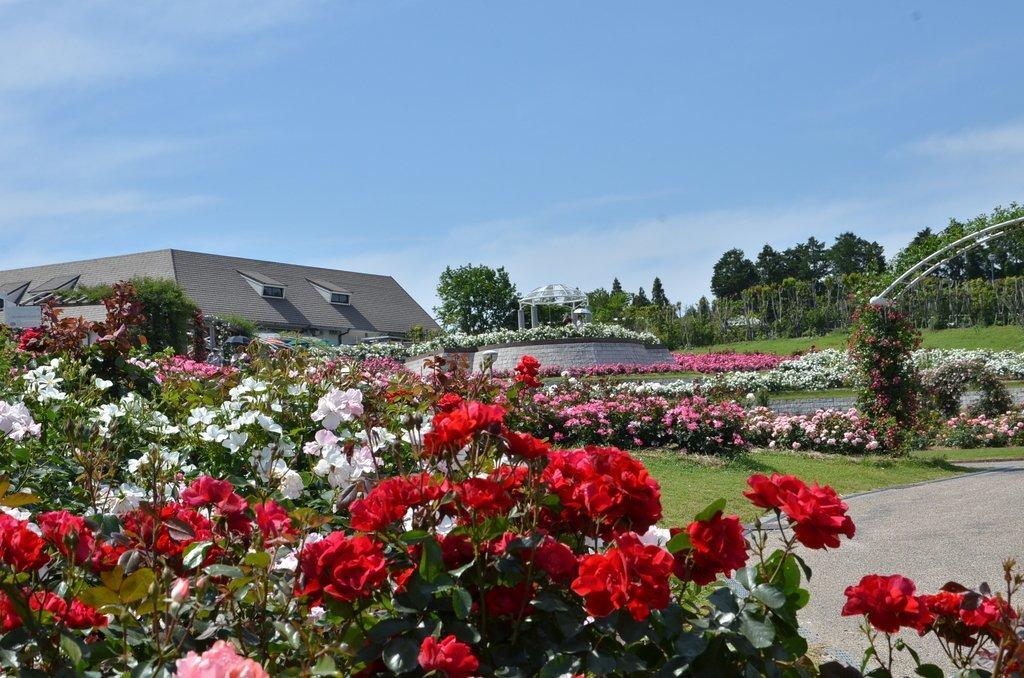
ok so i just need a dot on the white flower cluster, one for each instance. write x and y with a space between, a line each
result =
16 421
829 368
43 382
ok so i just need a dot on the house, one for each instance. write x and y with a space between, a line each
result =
336 306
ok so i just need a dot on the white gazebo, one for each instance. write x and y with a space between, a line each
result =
555 294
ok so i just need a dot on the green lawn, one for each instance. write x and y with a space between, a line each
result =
689 483
994 338
980 454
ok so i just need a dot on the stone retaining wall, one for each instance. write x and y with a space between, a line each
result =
565 353
812 405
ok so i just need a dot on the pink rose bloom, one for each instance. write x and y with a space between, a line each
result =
220 661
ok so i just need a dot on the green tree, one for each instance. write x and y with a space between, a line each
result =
852 254
476 299
168 310
616 286
640 299
772 266
658 296
733 273
608 307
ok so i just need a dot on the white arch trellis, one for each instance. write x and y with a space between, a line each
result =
922 269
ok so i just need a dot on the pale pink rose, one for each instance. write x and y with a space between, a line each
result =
220 661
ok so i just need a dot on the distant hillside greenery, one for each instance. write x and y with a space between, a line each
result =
810 289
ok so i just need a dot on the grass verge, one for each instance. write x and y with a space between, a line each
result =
691 482
995 338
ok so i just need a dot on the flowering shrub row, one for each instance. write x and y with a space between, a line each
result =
971 431
826 430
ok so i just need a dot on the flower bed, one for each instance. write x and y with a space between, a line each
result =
970 431
322 518
826 430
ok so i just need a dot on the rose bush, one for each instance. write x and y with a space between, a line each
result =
310 516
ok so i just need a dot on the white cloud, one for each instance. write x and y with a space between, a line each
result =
992 141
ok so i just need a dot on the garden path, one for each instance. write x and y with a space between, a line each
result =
957 529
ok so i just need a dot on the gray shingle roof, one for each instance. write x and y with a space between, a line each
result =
214 282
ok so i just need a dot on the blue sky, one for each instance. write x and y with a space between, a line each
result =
569 141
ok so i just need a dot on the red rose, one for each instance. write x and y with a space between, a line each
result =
718 546
273 521
628 576
986 612
20 547
178 527
602 490
344 568
448 402
820 517
31 340
888 603
447 656
9 619
480 498
527 371
105 556
455 429
556 560
68 533
768 493
818 514
456 550
525 446
207 491
390 499
77 615
508 601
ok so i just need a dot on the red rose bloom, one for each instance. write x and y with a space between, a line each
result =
390 499
527 371
447 656
456 550
178 527
480 498
628 576
818 514
76 615
105 556
68 533
344 568
525 446
207 491
717 547
987 612
602 485
820 517
20 547
273 521
31 340
556 560
448 402
9 619
455 429
508 601
888 603
768 493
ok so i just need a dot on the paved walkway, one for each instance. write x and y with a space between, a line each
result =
956 529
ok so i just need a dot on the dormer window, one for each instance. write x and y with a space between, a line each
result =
264 285
332 293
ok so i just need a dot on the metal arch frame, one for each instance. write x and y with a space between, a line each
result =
575 304
942 255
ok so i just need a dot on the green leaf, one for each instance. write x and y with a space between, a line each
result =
195 554
325 667
769 595
229 571
562 666
679 542
136 586
401 655
929 671
462 602
431 561
713 508
759 633
71 648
